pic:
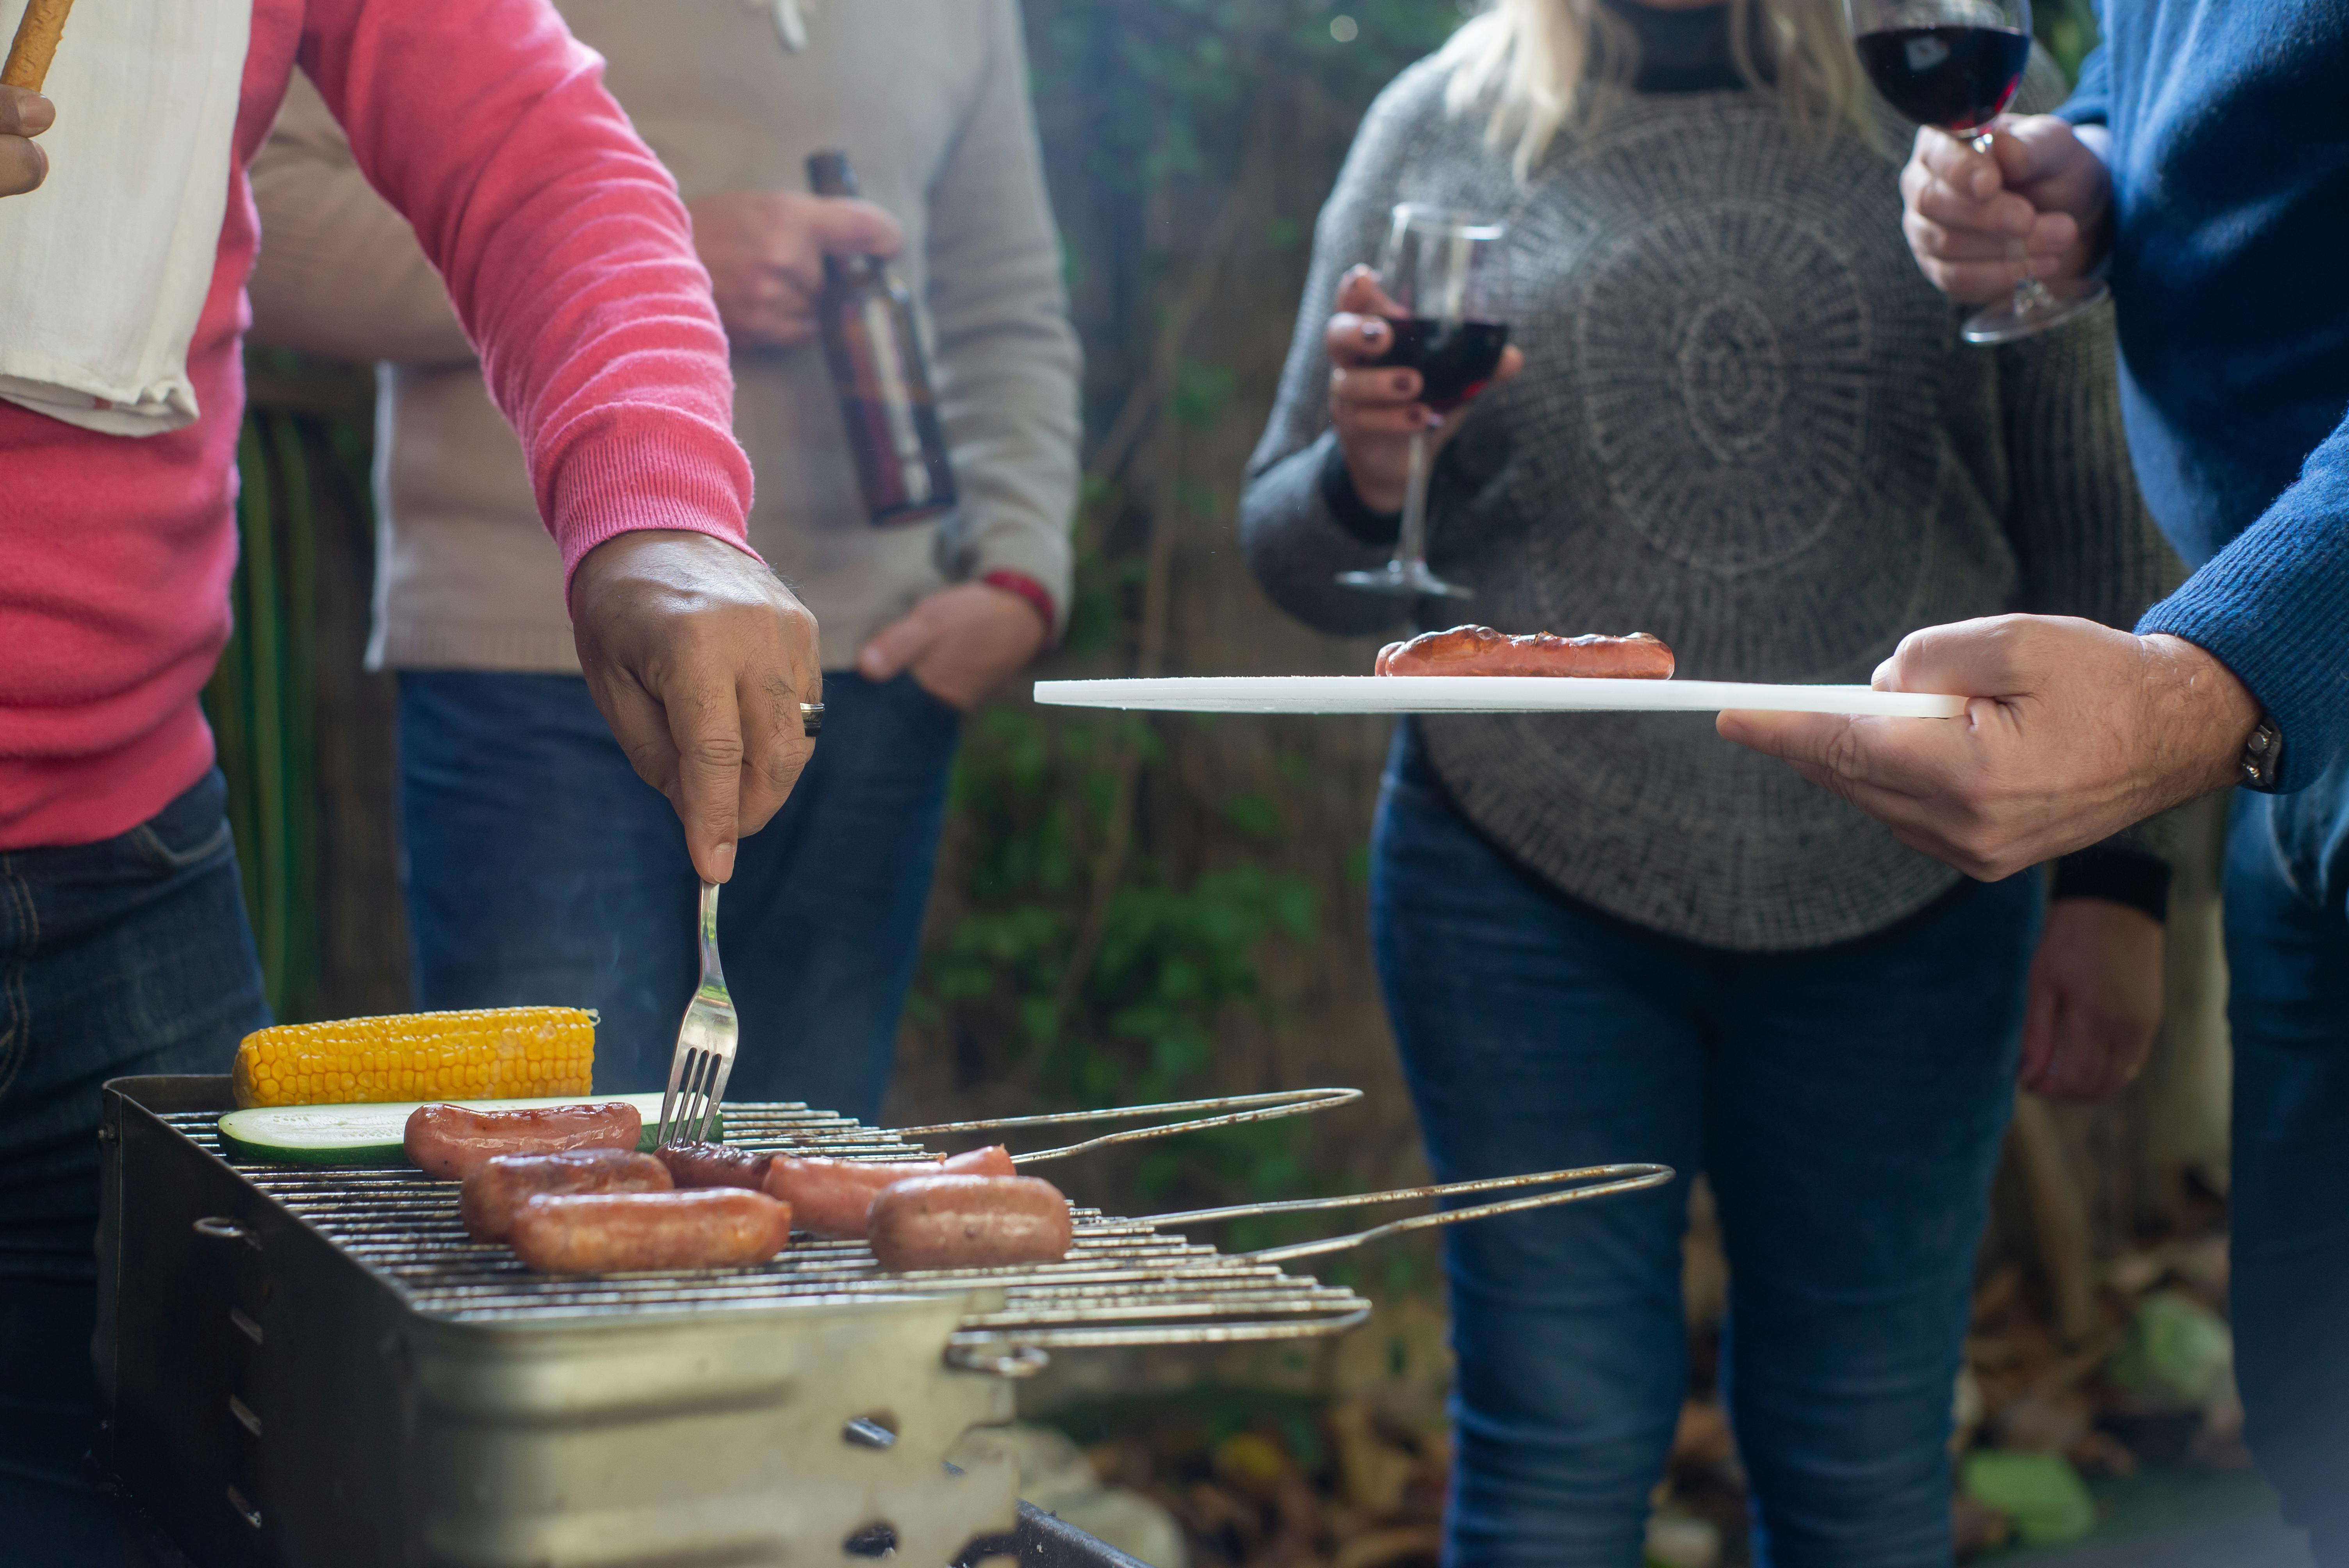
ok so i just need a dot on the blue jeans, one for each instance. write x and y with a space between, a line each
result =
1848 1103
129 955
2287 895
540 869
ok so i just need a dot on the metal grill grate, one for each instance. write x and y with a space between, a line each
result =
1122 1283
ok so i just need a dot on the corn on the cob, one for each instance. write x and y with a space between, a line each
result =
483 1053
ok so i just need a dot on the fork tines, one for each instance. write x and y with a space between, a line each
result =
696 1085
706 1038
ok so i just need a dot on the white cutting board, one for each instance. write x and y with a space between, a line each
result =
1483 694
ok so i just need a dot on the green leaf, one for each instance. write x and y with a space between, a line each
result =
1202 392
2041 1492
1253 815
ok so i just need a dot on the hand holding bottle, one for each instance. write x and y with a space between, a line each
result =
765 251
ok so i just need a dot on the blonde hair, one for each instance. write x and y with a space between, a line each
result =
1532 60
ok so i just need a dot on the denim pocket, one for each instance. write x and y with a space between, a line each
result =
189 831
939 709
2309 830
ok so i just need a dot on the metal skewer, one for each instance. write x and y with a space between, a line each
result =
1612 1179
1237 1109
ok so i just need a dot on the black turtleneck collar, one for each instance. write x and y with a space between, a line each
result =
1681 51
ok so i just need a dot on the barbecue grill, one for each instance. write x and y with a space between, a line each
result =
307 1366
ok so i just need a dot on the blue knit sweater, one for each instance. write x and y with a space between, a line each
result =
2231 265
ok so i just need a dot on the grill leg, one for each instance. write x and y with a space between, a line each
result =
1045 1540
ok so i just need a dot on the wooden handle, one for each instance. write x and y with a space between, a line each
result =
35 44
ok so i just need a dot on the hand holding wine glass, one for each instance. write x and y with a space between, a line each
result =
1376 404
2043 183
1954 66
1440 288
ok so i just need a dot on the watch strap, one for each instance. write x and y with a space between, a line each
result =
2262 762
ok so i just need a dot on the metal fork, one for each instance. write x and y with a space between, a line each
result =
704 1057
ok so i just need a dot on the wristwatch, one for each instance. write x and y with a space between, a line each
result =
2263 755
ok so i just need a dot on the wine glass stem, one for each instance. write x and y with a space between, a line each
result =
1411 544
2031 295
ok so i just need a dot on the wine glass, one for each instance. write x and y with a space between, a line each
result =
1442 276
1955 64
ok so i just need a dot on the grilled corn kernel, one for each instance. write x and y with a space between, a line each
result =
483 1053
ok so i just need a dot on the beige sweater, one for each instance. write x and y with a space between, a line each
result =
929 99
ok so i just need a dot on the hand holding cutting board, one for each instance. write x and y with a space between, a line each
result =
24 112
23 115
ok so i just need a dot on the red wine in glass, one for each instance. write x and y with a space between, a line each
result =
1454 358
1443 281
1959 79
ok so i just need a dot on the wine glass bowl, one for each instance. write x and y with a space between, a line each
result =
1441 284
1955 65
1455 358
1957 78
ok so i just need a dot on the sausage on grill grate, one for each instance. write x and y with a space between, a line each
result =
831 1197
969 1222
614 1233
495 1193
714 1165
450 1142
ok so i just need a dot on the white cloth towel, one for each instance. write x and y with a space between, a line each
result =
104 269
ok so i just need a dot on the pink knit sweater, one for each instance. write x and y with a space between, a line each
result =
568 256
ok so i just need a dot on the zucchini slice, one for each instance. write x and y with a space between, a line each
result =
373 1134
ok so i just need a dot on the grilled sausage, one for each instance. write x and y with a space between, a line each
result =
969 1222
830 1196
714 1165
450 1142
496 1192
613 1232
1482 651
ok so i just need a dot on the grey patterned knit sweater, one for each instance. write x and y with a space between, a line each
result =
1745 424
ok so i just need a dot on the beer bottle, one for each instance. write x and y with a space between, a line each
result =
881 376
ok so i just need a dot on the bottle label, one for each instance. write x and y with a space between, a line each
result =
887 359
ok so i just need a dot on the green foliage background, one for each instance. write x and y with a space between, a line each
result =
1092 956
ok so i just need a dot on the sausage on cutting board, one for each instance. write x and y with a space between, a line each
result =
496 1192
831 1197
1482 651
450 1142
613 1232
969 1222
